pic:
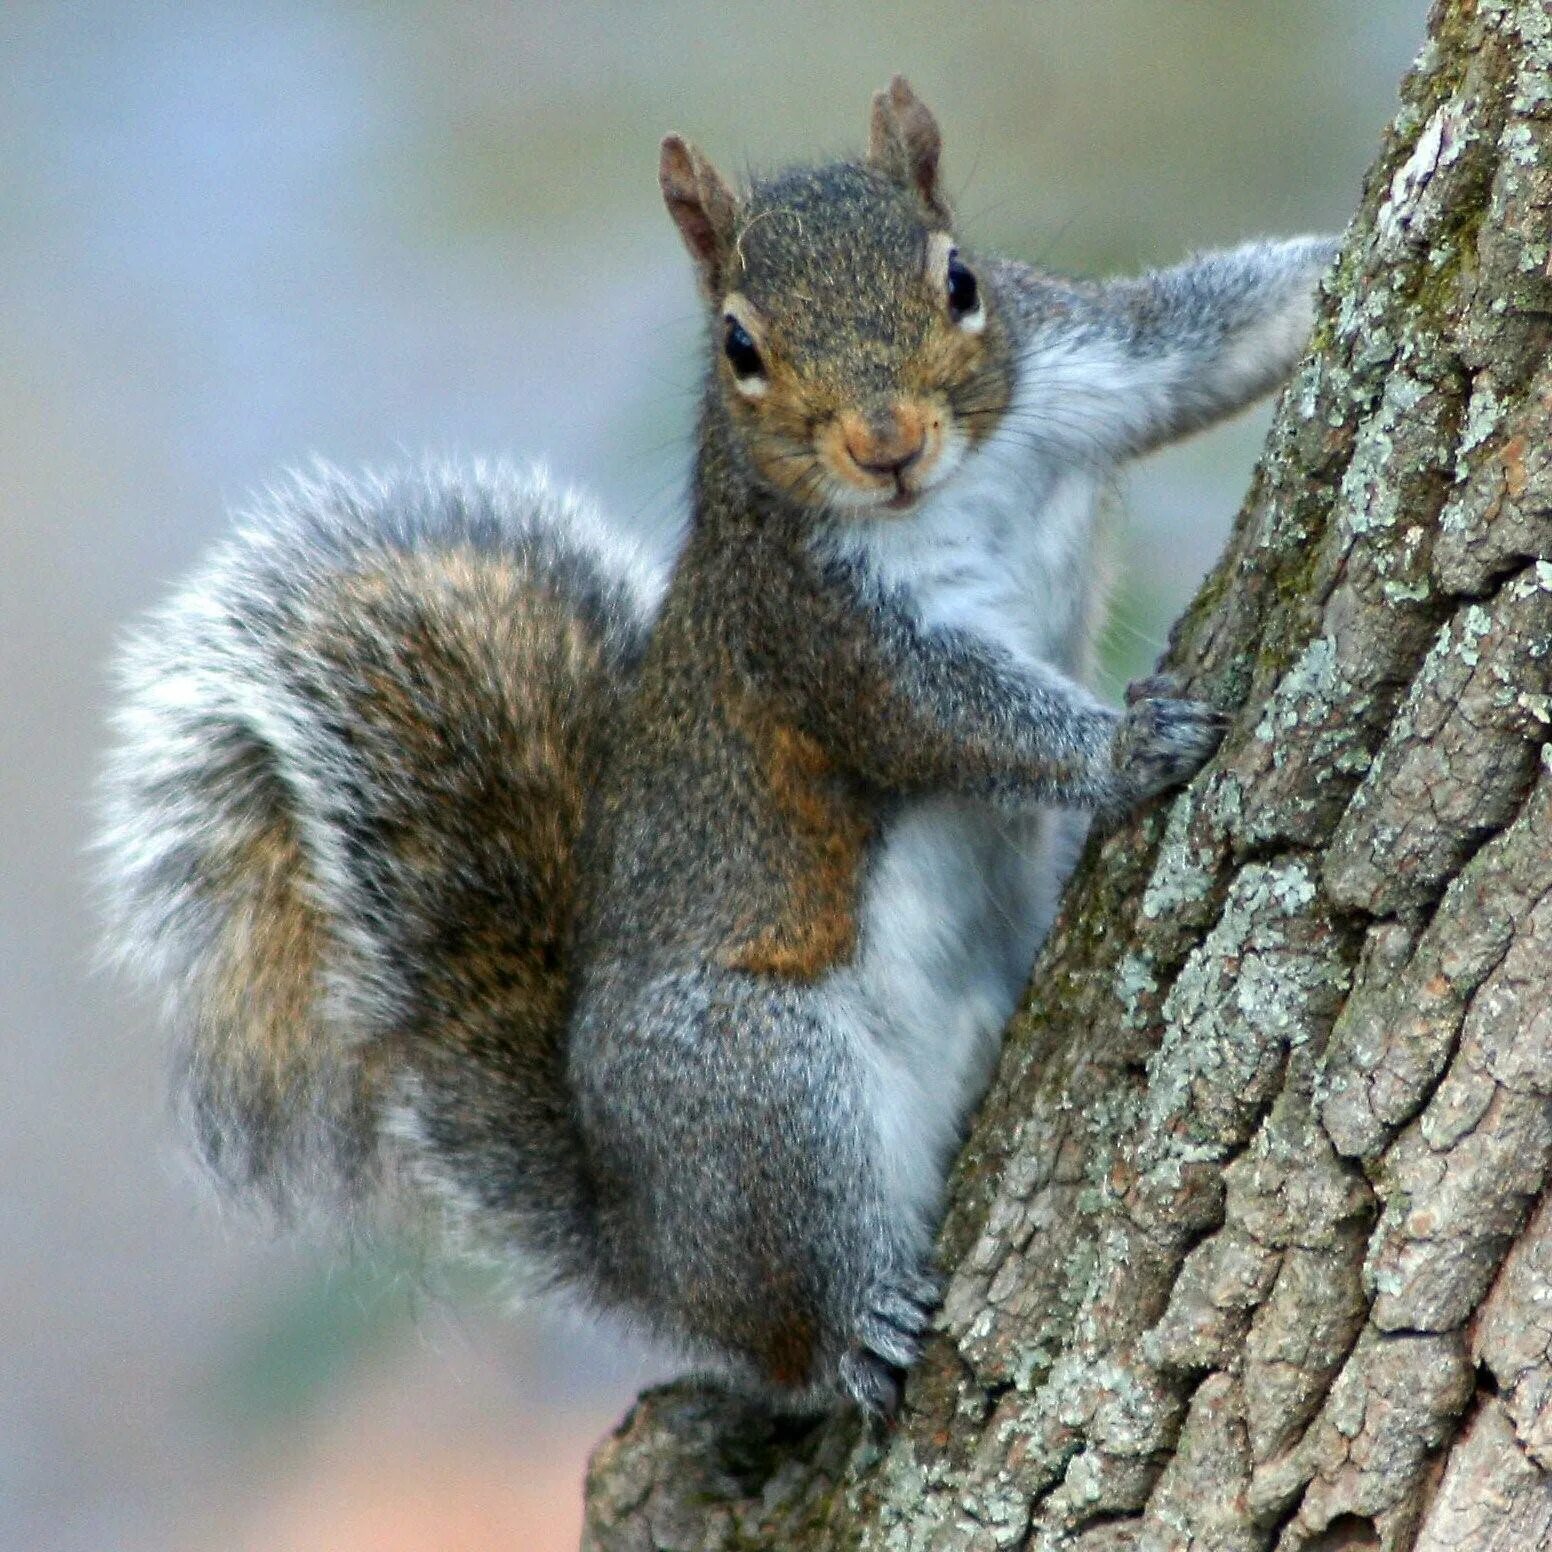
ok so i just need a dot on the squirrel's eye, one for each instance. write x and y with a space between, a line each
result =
742 354
964 296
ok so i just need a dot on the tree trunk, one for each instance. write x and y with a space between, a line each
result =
1251 1245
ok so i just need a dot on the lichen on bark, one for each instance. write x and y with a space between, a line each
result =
1251 1246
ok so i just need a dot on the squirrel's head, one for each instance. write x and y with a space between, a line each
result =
857 349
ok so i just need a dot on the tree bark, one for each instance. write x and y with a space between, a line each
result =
1251 1246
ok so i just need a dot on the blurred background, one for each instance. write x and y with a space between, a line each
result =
232 236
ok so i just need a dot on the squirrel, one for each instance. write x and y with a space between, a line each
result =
656 933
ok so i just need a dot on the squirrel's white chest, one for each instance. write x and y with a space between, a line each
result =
1004 553
958 894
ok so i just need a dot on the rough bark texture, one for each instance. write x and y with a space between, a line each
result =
1252 1243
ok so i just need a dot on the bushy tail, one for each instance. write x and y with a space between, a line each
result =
342 818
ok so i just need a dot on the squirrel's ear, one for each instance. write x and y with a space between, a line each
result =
904 144
702 205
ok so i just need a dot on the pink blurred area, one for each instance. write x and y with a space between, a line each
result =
401 1499
404 1463
236 235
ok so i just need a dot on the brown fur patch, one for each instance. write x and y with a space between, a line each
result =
818 852
478 768
444 688
788 1354
259 994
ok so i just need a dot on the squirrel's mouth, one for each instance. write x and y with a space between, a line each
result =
892 479
883 454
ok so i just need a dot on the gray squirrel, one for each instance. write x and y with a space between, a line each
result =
657 935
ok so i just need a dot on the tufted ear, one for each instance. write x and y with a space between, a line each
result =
904 144
702 205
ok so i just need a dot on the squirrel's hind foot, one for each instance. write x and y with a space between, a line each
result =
889 1335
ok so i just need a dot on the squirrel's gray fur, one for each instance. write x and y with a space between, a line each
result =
660 939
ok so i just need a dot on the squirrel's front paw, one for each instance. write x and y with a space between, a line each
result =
1163 739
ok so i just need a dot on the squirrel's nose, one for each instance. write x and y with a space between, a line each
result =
887 441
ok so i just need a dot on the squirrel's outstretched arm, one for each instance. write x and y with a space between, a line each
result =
1126 365
913 708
